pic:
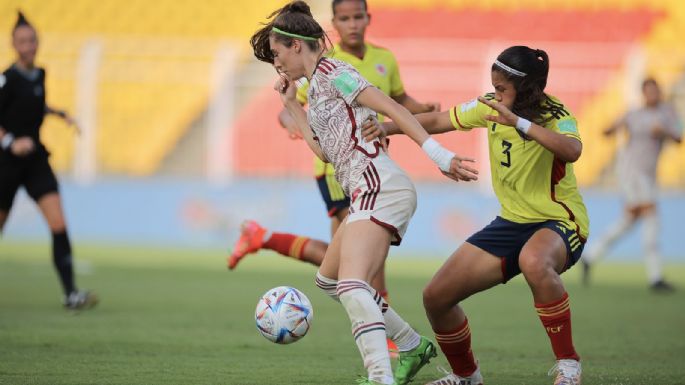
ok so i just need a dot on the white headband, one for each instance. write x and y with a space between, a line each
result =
509 69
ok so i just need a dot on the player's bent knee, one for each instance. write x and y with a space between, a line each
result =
434 300
535 266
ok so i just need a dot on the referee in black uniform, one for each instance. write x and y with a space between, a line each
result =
24 159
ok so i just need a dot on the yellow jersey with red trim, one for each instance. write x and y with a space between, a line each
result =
531 184
378 66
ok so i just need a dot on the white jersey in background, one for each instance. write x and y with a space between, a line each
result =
637 160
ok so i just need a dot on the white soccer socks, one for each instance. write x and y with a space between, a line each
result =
328 285
368 328
397 329
650 235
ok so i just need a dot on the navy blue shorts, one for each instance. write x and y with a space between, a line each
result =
332 194
505 239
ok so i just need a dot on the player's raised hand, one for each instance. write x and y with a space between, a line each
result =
460 170
286 89
505 117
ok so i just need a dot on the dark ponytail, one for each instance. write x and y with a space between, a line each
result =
294 18
530 87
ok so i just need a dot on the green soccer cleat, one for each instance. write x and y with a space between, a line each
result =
366 381
412 361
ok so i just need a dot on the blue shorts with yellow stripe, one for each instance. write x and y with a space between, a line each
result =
332 194
505 239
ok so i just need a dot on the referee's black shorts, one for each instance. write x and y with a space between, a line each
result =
33 172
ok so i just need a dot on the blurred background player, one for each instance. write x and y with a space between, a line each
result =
383 198
379 67
648 128
533 141
24 159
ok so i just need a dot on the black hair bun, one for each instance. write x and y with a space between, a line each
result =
297 7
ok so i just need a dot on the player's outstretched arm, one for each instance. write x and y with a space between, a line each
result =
414 106
563 147
65 116
287 90
614 127
453 166
432 122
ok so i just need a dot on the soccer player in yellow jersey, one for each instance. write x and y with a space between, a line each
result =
379 67
541 230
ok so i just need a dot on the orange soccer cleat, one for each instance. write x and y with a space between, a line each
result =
250 241
392 349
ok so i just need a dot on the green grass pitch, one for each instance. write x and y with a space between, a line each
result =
179 317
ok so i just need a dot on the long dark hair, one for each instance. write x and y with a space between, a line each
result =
294 18
527 70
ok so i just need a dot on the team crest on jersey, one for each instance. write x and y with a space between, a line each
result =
381 69
38 90
3 80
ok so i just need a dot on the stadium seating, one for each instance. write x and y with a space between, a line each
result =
623 25
445 54
154 75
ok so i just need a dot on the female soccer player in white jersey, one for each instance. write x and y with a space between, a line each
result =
533 141
649 128
24 159
377 65
383 198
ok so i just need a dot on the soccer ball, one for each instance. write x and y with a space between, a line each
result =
283 315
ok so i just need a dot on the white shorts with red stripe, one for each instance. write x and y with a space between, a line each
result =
384 195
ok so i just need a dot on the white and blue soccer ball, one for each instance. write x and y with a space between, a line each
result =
284 315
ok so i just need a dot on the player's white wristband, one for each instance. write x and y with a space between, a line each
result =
6 141
523 125
438 154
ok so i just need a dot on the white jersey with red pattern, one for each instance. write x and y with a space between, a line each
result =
336 118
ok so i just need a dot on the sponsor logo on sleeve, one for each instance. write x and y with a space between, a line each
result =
568 126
